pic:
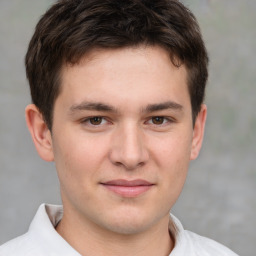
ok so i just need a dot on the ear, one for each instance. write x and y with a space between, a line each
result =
40 133
198 132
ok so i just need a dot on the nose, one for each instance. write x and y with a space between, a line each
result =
128 148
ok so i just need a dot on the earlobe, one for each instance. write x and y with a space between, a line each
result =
198 133
40 133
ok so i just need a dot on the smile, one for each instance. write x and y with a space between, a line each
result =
127 188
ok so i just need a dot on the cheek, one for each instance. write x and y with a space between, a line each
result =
75 168
173 157
172 150
77 158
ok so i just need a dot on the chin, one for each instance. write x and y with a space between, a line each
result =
129 223
125 228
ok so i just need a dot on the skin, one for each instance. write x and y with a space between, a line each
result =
121 114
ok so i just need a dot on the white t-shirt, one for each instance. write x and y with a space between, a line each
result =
43 240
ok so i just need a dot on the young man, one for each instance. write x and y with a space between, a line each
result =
117 90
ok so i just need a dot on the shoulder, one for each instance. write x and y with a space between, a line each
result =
189 243
20 246
41 238
205 246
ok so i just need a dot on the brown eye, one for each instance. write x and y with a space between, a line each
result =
96 120
158 120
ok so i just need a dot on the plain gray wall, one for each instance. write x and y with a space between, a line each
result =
218 200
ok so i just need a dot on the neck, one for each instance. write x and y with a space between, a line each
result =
90 239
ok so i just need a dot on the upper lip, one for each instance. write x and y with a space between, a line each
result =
128 183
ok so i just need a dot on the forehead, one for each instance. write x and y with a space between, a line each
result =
155 56
124 73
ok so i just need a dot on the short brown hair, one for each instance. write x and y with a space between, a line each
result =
71 28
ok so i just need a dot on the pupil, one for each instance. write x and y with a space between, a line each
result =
158 120
96 120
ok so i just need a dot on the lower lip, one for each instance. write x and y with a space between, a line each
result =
124 191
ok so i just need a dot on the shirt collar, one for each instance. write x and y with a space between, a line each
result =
51 243
42 228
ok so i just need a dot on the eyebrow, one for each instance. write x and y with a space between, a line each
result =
97 106
163 106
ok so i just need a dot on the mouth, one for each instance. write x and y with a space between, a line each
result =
128 188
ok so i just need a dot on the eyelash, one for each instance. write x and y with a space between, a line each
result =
165 120
89 119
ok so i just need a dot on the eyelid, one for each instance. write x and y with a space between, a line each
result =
86 121
105 121
167 120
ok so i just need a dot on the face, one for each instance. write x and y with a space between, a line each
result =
122 138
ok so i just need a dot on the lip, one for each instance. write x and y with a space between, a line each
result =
128 188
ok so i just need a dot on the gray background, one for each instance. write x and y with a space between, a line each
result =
218 200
